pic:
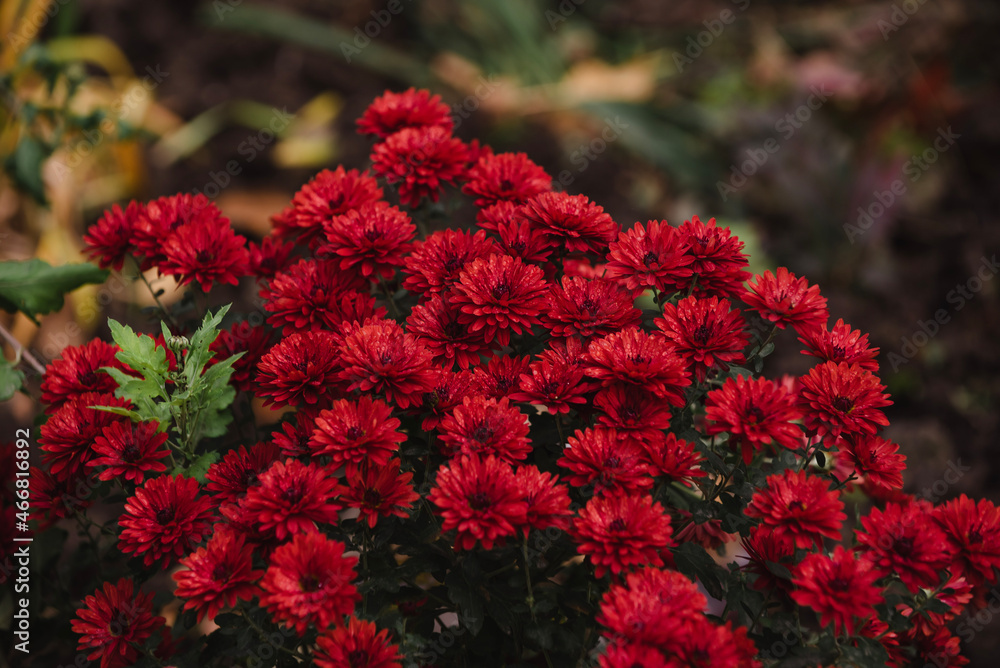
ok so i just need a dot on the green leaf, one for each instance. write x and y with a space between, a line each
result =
25 167
35 287
199 467
139 352
11 379
199 352
693 561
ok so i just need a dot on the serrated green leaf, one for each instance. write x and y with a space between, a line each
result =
11 379
35 287
199 352
139 352
199 467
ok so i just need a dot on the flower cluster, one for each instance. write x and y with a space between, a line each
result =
544 438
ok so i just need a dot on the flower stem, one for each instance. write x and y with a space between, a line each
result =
156 298
22 352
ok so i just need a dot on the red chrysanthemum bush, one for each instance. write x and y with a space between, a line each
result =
544 439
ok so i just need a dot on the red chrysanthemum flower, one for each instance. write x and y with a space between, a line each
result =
618 531
589 307
633 411
379 357
671 457
371 240
421 161
599 457
295 434
392 112
68 435
755 412
799 506
109 240
436 324
449 389
270 257
506 177
500 376
353 432
942 647
649 256
906 541
329 194
547 499
519 239
206 252
480 499
114 622
159 219
218 574
436 262
130 451
77 370
973 533
253 342
358 644
555 385
840 588
309 582
786 300
53 499
482 426
706 332
380 491
719 266
650 607
582 267
230 479
634 357
841 344
313 295
499 214
876 459
293 497
572 221
707 645
765 548
633 655
301 369
498 294
842 399
164 520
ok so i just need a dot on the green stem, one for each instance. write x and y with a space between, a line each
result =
393 308
169 316
241 609
527 579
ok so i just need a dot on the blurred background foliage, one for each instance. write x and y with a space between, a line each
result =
650 108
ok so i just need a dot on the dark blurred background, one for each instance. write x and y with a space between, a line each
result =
853 142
